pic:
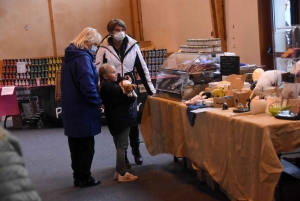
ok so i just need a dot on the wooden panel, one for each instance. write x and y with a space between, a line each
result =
243 30
214 19
169 23
57 86
174 21
136 21
265 33
219 21
15 40
70 17
52 28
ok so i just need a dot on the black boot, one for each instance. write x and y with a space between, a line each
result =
90 182
137 156
127 163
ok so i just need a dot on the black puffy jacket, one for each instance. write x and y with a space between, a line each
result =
118 111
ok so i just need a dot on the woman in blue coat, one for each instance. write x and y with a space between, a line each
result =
81 104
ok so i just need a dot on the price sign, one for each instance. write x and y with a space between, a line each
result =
230 65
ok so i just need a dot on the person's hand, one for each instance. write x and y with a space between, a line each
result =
128 78
153 95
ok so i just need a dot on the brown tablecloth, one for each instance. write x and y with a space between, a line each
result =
240 153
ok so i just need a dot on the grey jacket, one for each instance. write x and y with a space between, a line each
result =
15 184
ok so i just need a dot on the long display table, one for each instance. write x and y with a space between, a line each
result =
240 153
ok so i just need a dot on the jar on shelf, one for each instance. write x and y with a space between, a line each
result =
202 48
217 48
182 47
216 41
206 42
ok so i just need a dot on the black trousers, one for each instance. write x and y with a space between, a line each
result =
134 130
82 153
134 136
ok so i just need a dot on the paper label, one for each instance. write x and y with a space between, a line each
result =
7 91
21 67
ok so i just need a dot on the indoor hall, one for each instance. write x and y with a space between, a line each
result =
217 106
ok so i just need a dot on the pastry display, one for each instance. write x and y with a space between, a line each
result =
181 71
196 67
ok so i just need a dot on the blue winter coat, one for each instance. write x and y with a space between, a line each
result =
117 107
79 95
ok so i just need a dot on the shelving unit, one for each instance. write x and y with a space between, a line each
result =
43 68
154 59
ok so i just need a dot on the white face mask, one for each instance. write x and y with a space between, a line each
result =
119 36
94 48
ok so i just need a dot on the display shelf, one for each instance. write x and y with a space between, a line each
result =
42 68
154 59
184 73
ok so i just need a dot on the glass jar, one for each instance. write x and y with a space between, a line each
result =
208 48
216 41
206 42
217 48
183 48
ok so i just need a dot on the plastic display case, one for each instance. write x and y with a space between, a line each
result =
183 74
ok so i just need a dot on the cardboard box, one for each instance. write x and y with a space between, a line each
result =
218 102
241 97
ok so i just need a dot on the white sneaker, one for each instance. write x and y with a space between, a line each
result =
116 176
127 177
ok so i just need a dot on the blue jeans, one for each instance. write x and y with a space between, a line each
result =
121 143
